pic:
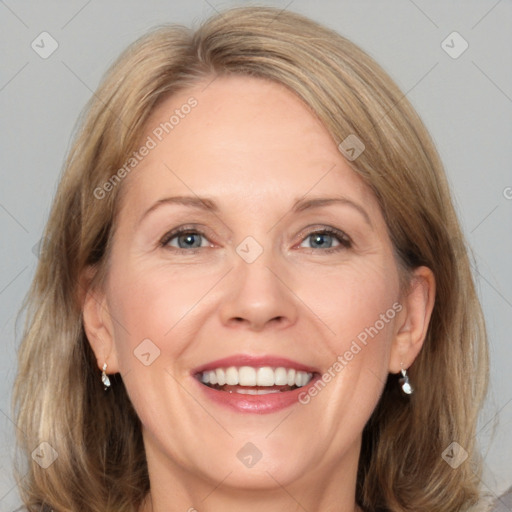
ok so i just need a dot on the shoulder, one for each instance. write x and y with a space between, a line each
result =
492 503
42 508
503 503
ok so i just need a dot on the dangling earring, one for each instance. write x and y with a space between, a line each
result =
104 377
404 381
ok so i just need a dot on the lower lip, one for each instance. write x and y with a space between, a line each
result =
258 404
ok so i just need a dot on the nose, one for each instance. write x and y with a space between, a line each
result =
258 297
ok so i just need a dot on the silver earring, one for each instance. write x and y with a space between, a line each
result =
404 381
104 377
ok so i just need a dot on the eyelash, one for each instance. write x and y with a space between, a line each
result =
344 240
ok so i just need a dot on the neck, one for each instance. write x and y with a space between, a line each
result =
329 487
147 506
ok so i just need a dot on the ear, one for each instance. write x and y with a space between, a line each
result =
98 322
413 320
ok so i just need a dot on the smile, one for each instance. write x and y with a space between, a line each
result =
254 383
255 380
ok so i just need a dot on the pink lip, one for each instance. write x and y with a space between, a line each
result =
258 404
255 361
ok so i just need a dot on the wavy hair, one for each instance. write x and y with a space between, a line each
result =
58 396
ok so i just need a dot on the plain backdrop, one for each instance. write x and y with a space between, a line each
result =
464 98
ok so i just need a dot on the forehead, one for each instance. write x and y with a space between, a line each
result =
245 136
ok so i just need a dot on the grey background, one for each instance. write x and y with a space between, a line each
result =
466 104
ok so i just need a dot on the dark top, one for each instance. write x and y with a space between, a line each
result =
501 504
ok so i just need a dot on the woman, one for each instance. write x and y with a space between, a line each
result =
253 289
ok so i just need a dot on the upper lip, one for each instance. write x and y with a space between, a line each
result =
238 360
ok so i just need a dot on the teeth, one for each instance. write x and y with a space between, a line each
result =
231 376
281 376
265 376
299 379
249 376
256 391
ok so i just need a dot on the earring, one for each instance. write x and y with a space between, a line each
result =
404 381
104 377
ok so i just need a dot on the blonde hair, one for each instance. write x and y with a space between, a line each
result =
58 395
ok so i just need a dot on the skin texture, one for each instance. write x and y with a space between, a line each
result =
254 148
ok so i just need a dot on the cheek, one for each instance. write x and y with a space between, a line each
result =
354 301
357 307
155 303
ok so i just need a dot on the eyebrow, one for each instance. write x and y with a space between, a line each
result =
300 204
304 204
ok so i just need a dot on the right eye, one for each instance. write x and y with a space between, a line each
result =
185 238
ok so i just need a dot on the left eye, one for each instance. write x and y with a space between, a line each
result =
327 239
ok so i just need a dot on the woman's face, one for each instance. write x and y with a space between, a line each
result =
284 264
